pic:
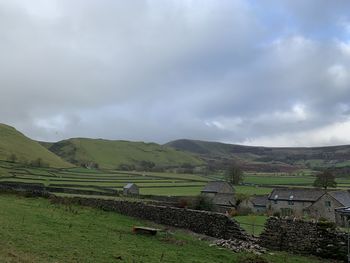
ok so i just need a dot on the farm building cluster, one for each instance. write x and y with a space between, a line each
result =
313 203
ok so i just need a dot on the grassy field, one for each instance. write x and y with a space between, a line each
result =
169 184
150 183
252 190
15 143
110 154
34 230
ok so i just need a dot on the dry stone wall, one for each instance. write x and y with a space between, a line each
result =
37 187
320 239
203 222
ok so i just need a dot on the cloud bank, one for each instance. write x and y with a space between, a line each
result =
272 73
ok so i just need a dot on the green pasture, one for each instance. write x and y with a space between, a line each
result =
169 184
172 191
34 230
279 180
252 190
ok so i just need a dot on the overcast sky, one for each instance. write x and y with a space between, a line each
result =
263 72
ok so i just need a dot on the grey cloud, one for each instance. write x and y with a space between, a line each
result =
161 70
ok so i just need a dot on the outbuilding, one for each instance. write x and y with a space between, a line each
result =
131 189
222 194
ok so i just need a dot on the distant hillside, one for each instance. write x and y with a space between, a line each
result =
111 154
267 158
24 149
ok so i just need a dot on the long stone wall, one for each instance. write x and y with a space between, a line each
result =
37 187
69 189
320 239
203 222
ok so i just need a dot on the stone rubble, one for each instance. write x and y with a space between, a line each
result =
237 246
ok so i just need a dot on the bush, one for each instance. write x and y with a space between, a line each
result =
244 211
158 169
126 167
39 163
145 166
233 212
203 203
276 214
183 203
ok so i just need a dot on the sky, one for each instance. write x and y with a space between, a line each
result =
253 72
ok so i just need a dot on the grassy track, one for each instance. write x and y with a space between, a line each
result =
33 230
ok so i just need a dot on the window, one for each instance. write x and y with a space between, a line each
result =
328 203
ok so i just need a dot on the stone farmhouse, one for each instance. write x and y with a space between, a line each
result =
256 203
315 203
222 194
131 189
292 201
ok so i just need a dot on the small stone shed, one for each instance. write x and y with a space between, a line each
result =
131 189
256 203
222 194
342 216
259 203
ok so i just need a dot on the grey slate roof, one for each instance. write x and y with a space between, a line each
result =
342 197
259 200
218 187
224 199
129 185
296 194
343 210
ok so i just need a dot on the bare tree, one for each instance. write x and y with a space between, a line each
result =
234 174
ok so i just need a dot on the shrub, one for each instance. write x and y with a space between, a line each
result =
244 211
233 212
202 202
183 203
126 167
276 214
38 163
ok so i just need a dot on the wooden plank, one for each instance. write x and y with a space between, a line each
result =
145 230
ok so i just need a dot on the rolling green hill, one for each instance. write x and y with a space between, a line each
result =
267 159
14 143
110 154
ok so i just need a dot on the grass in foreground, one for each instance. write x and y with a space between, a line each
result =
34 230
